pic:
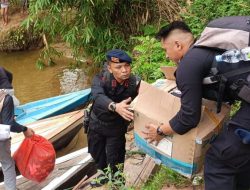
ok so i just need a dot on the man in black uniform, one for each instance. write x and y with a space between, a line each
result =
112 90
5 79
6 84
7 118
227 164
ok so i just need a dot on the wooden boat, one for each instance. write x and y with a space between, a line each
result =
44 108
59 130
69 169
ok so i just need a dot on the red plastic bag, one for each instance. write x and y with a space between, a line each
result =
35 158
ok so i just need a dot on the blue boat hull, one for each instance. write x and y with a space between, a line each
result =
40 109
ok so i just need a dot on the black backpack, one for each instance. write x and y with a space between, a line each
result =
227 81
226 33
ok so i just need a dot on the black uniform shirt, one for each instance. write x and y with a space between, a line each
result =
98 92
193 67
103 94
7 115
5 79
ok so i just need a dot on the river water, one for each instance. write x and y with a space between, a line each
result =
31 84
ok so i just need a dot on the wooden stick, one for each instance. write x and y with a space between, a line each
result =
45 41
80 183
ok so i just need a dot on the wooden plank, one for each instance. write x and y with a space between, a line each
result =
51 132
52 129
76 160
68 174
137 168
138 173
84 184
72 155
63 130
80 183
46 125
59 170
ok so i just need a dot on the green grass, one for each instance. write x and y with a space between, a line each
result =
166 176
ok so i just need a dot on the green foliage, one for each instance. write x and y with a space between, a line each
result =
17 36
200 12
90 27
15 5
130 153
46 57
40 64
166 176
75 65
116 181
22 39
235 107
149 30
148 57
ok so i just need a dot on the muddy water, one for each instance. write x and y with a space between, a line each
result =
31 84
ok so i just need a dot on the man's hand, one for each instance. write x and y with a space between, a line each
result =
150 133
28 133
122 109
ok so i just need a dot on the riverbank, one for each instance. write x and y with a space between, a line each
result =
14 37
15 20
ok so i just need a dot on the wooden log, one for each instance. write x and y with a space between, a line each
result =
84 184
138 168
138 174
79 184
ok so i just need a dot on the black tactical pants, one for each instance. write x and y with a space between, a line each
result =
227 163
106 150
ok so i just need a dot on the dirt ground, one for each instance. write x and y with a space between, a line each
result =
166 187
15 19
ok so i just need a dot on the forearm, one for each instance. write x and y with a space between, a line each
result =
166 129
101 100
7 116
17 128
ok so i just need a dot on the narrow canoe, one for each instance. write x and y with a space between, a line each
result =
59 130
48 107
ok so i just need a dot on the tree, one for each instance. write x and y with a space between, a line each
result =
91 27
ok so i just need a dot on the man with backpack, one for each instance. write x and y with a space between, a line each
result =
227 163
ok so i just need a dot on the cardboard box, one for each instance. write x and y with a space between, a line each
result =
169 72
183 153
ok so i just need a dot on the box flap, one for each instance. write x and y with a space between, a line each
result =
156 103
216 120
169 72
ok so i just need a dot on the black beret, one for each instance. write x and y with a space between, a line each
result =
118 56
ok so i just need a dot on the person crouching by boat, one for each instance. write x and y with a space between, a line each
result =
7 125
6 84
113 89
